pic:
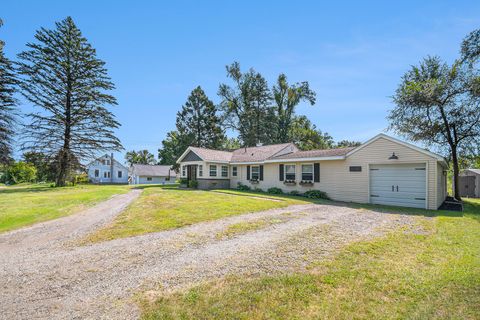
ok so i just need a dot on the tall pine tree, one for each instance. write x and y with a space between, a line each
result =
246 106
199 121
7 106
61 75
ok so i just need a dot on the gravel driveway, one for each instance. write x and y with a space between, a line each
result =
45 274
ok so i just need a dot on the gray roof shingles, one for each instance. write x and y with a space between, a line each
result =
262 153
315 153
152 170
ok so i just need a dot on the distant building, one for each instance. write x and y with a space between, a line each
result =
151 174
107 170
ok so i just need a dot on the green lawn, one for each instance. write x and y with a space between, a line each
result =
404 275
28 204
162 208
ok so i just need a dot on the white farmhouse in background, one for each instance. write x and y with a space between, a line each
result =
151 174
107 170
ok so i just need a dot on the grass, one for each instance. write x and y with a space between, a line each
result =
404 275
246 226
24 205
163 208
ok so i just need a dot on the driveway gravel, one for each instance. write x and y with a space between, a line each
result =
46 274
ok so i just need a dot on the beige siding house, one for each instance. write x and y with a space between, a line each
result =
383 170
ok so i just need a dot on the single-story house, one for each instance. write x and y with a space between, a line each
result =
469 183
383 170
151 174
107 170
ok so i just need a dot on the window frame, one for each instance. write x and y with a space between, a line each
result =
96 173
234 171
224 173
285 172
149 179
210 170
312 173
184 171
200 170
258 173
119 174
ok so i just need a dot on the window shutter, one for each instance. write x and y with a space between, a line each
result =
248 172
261 172
316 172
280 172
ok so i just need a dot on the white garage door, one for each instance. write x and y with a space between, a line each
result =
398 185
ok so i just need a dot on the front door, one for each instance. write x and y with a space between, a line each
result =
192 172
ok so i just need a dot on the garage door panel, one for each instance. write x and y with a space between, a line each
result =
408 182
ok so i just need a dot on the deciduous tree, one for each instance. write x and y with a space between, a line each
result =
438 104
306 135
246 106
62 76
286 98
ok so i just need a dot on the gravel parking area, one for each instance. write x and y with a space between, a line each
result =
46 274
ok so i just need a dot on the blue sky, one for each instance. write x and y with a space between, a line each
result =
352 53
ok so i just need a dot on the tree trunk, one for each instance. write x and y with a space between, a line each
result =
456 170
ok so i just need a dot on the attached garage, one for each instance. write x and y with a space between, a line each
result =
399 185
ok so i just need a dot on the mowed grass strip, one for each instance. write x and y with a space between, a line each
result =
247 226
160 209
404 275
28 204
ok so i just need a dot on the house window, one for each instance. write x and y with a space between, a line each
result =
103 162
234 171
355 168
213 170
108 162
200 171
289 172
149 178
183 171
97 173
224 171
106 174
307 172
120 174
255 173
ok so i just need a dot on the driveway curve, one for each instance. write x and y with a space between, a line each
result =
45 274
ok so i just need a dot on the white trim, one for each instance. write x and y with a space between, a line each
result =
246 163
403 143
285 171
185 153
406 162
313 171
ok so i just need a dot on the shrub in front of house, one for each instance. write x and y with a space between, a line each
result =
316 194
193 184
275 190
183 182
243 187
295 193
257 189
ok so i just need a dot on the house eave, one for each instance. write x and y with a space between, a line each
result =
306 159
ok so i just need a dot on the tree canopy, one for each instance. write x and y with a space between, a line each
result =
246 106
139 157
286 98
